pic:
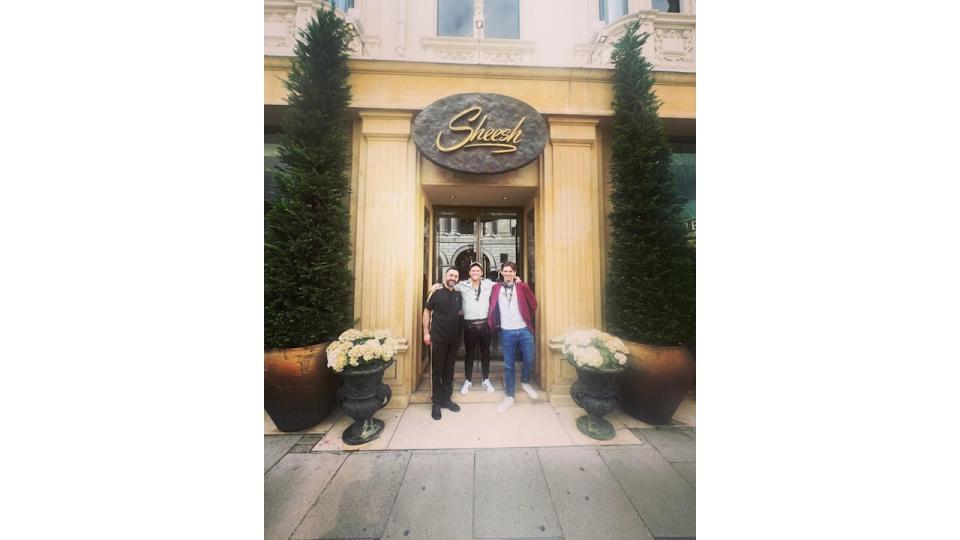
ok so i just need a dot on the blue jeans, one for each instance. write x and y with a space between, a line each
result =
508 342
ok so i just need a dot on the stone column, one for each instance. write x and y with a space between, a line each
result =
571 243
389 222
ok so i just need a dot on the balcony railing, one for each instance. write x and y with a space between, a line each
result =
672 45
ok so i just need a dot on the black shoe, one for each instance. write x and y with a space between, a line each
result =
436 412
452 406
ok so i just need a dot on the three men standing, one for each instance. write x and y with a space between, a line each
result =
511 307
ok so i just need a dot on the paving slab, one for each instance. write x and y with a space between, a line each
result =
568 418
275 446
291 487
663 497
511 496
269 428
478 425
688 469
435 498
355 502
333 440
673 444
588 499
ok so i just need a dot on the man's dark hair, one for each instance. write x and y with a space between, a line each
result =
511 264
452 268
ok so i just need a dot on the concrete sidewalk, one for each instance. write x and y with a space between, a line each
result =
431 486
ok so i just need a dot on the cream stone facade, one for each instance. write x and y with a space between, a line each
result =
406 210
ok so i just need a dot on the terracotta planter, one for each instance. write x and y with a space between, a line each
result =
299 390
656 381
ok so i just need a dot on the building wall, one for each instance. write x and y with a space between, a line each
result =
552 33
396 72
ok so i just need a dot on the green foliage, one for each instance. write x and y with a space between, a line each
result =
308 289
651 296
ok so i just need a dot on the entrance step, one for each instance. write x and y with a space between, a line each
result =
477 393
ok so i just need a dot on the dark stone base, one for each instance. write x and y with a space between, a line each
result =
363 432
596 428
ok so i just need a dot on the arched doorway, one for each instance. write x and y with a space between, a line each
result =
465 259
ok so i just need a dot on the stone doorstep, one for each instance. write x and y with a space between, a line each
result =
477 393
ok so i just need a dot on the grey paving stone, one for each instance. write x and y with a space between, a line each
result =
588 499
300 448
511 496
692 433
674 446
274 447
357 501
435 499
689 471
666 501
292 486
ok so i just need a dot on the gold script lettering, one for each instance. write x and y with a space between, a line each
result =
507 139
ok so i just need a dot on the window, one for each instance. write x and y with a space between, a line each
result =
669 6
342 5
455 18
611 10
501 19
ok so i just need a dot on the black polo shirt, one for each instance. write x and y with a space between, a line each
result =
447 309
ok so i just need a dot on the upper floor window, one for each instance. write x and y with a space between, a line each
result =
342 5
496 19
501 19
455 18
611 10
669 6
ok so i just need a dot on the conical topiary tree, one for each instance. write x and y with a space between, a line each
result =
308 292
651 281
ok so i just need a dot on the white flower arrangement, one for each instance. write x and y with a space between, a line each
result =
595 349
354 347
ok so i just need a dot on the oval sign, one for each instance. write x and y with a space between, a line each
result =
480 133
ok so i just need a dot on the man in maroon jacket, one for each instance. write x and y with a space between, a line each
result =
512 308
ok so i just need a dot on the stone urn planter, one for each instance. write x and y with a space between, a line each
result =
362 395
656 381
299 390
595 391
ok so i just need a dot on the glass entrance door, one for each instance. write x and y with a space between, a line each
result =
466 235
490 236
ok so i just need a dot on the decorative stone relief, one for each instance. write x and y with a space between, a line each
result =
674 45
279 30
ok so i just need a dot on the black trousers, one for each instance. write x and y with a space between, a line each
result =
444 358
476 336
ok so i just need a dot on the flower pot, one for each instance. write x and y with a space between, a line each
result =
595 391
299 390
656 381
363 394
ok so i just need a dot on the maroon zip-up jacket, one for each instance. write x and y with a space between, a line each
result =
526 301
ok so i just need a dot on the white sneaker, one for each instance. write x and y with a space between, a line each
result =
529 390
466 388
505 404
488 385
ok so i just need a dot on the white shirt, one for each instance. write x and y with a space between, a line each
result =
474 309
509 305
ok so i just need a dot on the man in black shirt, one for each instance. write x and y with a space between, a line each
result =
446 309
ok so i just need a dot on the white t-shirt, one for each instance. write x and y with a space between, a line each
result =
509 304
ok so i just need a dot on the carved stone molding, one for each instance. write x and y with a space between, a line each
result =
483 51
674 45
279 32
